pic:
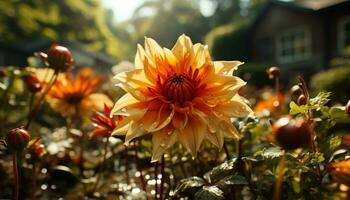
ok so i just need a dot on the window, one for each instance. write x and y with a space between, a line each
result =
294 45
344 34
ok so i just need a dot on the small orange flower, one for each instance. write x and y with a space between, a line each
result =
271 104
105 123
179 95
75 95
340 171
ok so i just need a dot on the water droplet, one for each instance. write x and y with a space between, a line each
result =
162 145
169 133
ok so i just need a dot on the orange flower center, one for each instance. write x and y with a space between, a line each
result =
74 98
178 88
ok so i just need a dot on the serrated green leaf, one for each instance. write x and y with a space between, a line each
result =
217 173
209 193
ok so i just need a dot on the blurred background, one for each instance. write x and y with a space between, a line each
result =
301 36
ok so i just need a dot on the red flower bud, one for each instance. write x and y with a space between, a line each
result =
33 84
17 139
273 72
301 100
59 58
292 133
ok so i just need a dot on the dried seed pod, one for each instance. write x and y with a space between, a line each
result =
59 58
17 138
292 133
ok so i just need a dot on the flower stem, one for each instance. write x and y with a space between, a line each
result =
37 106
103 163
227 152
280 175
163 178
156 178
16 176
138 166
34 180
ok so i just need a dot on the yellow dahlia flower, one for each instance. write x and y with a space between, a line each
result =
179 95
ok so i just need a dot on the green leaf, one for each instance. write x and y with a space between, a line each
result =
209 193
217 173
189 186
321 99
337 113
295 109
231 180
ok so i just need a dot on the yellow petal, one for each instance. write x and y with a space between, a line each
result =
134 130
162 141
163 119
182 47
152 49
193 134
170 57
123 102
179 120
234 108
226 67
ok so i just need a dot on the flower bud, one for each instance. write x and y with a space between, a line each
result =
17 139
273 72
292 133
347 108
301 100
296 90
33 84
59 58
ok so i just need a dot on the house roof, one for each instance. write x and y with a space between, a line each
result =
316 4
305 6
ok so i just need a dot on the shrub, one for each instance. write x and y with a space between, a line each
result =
336 80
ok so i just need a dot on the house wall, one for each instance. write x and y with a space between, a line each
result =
279 19
333 19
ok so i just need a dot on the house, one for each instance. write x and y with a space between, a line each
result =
17 55
301 35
